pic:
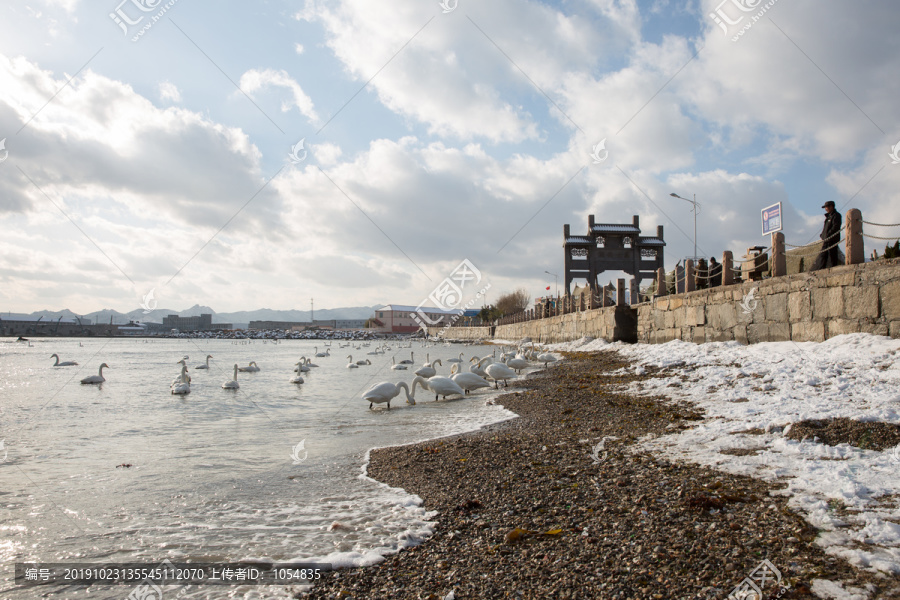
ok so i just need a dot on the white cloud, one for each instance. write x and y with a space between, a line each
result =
152 185
298 48
453 76
254 80
168 91
327 154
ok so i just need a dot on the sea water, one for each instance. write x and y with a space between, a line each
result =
267 471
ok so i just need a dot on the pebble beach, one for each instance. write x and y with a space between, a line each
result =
558 503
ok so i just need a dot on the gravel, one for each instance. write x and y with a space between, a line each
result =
535 508
865 435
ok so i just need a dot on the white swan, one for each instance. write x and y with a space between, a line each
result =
467 381
99 378
363 363
476 368
184 373
181 385
322 354
206 366
68 363
297 378
385 392
517 364
232 384
301 366
310 363
456 360
441 386
350 363
427 370
500 372
397 367
545 358
412 357
251 368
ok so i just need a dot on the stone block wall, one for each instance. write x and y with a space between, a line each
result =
464 334
803 307
610 323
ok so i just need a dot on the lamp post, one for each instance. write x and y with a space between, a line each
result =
555 282
695 210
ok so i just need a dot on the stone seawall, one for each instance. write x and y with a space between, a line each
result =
806 307
611 323
464 334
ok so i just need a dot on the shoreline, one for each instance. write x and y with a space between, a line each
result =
525 511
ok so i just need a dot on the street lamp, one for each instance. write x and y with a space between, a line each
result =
695 210
555 281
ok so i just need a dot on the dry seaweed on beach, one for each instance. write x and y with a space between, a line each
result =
553 504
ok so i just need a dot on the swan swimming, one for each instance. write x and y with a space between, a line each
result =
251 368
468 381
232 384
350 363
206 366
184 372
322 354
387 391
99 378
427 370
412 357
456 360
301 366
68 363
396 367
297 378
182 386
441 386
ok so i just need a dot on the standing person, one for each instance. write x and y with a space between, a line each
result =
715 272
701 275
831 234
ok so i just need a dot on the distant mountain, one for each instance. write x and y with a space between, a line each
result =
239 319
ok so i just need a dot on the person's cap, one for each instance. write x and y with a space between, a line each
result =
827 204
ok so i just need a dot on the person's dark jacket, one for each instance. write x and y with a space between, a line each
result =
715 274
832 228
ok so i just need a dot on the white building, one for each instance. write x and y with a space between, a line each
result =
398 318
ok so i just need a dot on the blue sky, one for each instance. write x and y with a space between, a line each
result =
430 137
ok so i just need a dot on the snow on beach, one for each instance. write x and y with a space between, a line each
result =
852 494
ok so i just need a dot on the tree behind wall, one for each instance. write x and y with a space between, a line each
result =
513 302
489 313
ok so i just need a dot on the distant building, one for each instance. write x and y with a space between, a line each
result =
341 323
132 329
398 318
264 325
201 323
18 326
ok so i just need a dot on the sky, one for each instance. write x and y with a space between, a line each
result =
246 155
